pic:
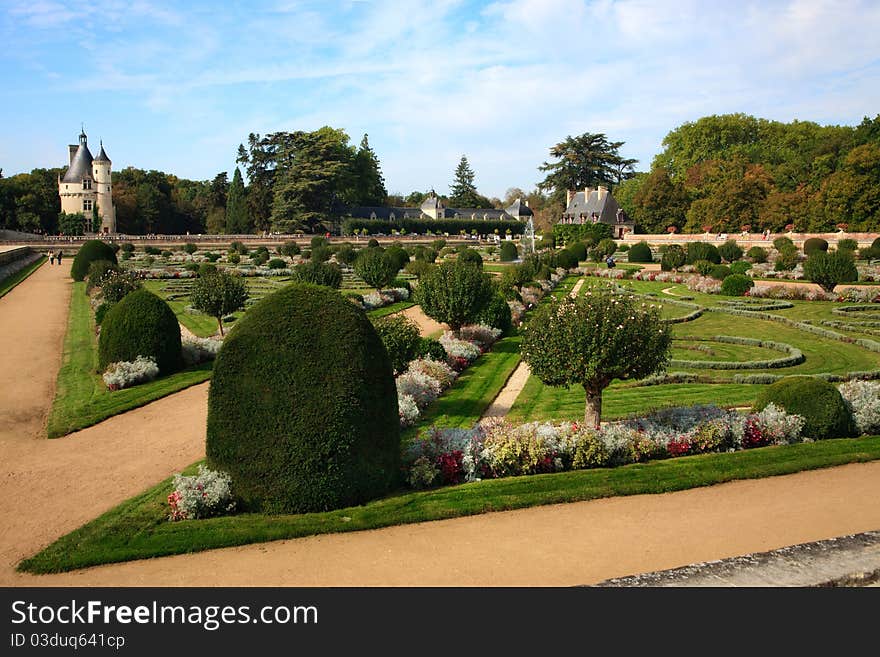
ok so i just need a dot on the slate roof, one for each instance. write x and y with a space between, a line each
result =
519 209
585 205
366 211
81 166
102 156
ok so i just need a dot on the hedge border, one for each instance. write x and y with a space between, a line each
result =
795 355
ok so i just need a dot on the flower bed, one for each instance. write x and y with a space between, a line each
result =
125 374
496 448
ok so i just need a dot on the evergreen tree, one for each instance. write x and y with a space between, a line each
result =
369 185
585 161
463 192
237 217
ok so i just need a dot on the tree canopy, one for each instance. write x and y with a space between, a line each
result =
587 160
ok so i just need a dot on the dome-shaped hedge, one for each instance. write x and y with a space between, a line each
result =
87 254
141 324
640 252
814 244
508 252
302 410
820 403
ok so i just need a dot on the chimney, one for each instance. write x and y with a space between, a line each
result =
527 202
602 192
587 191
71 151
568 196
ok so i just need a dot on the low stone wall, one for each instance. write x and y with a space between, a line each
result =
749 239
14 260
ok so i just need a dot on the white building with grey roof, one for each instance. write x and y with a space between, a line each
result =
86 188
596 206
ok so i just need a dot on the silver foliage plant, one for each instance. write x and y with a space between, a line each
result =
124 374
209 493
863 400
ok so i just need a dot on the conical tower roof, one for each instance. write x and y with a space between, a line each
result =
81 167
102 156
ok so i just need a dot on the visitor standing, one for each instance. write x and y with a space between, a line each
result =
51 257
58 256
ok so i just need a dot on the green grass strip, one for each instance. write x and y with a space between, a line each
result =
81 398
390 310
139 529
8 283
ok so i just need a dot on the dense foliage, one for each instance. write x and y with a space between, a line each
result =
401 338
302 409
640 252
141 324
817 401
218 294
88 253
830 269
454 293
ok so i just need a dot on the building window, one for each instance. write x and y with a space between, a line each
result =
87 183
87 205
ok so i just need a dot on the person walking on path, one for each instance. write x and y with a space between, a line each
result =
51 257
58 256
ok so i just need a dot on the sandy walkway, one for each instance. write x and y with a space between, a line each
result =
49 487
427 326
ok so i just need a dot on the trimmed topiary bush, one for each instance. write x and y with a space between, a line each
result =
578 250
730 251
289 249
702 251
757 254
719 272
566 259
640 252
817 401
703 267
470 256
847 245
781 243
431 348
673 257
302 409
318 273
98 271
814 244
736 285
496 313
276 263
740 267
831 269
508 252
141 324
88 253
401 338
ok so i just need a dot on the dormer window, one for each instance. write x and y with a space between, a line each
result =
87 183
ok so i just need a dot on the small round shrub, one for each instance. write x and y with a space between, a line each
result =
167 254
417 268
318 273
757 254
431 348
438 245
471 256
787 259
239 248
373 243
578 250
640 252
401 338
190 248
831 269
496 313
736 285
302 409
673 257
719 272
398 257
876 243
88 253
730 251
191 266
740 267
814 244
141 324
276 263
289 249
819 402
703 267
317 241
320 254
212 257
128 247
508 252
870 253
206 269
346 254
782 242
233 258
259 258
566 259
623 248
702 251
606 247
152 250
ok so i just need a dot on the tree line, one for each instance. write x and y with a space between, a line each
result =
725 173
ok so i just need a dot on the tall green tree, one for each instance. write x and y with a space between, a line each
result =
369 184
237 217
585 161
463 192
660 203
454 293
315 186
218 294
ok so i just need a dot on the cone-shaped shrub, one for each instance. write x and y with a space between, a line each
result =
141 324
88 253
302 410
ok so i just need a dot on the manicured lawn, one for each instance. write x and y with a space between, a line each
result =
81 398
139 529
390 310
8 283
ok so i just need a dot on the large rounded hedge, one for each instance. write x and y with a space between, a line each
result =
640 252
302 409
819 402
141 324
703 251
813 244
88 253
508 252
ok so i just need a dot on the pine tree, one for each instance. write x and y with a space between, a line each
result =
237 216
463 192
369 184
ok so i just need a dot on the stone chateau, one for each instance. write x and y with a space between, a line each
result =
86 188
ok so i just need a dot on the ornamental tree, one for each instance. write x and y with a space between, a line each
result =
454 293
218 294
594 339
375 267
830 269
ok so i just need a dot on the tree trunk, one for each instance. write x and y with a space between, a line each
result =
220 322
593 411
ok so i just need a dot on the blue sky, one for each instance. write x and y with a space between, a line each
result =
176 86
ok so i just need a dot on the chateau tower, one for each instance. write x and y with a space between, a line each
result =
86 187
